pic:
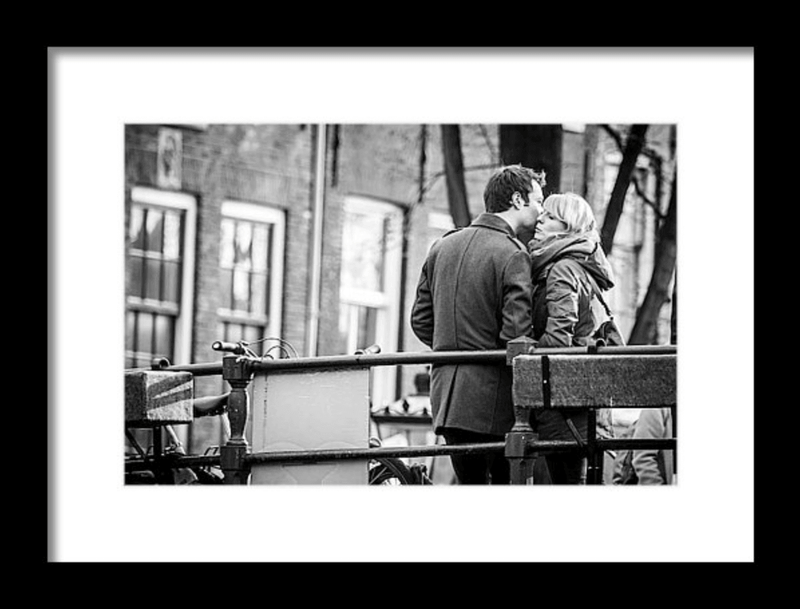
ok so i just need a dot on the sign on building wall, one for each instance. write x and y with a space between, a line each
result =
170 158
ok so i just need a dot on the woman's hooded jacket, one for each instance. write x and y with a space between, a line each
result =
567 271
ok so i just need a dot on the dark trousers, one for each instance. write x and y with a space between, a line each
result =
566 469
560 467
482 468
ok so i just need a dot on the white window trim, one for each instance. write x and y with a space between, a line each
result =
259 213
441 223
574 127
386 302
188 204
440 220
367 298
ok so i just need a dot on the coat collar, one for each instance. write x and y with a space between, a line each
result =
488 220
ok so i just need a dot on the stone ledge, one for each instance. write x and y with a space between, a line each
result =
154 397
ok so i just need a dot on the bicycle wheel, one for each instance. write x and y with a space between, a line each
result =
390 471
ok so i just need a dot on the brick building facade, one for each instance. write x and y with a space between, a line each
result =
316 235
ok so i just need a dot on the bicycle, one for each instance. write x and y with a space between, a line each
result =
381 471
162 470
392 470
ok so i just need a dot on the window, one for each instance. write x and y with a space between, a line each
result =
370 285
159 277
574 127
251 293
159 283
438 224
251 275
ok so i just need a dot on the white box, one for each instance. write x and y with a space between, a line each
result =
311 410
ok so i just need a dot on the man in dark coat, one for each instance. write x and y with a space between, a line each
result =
474 293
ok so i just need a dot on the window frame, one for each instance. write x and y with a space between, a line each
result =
386 301
256 212
146 196
439 223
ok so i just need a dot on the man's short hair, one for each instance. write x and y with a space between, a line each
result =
505 182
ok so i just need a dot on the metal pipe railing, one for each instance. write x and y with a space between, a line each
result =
445 450
171 461
402 358
607 350
402 452
204 369
239 368
381 359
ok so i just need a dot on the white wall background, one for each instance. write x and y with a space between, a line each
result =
709 94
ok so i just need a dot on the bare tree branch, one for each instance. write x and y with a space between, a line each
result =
647 201
435 176
646 150
493 154
654 156
633 145
646 324
454 175
614 136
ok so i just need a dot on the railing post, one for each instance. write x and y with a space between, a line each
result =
238 373
520 459
594 461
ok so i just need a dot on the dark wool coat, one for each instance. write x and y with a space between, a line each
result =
474 293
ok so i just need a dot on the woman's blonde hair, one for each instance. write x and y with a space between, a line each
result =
573 210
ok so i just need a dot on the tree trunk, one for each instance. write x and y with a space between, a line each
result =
673 318
644 328
536 146
633 147
454 174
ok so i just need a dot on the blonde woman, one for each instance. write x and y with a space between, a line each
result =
568 269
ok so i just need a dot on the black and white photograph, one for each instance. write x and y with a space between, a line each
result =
324 262
303 298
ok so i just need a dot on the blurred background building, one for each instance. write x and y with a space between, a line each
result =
315 234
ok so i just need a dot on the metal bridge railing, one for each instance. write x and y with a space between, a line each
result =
532 390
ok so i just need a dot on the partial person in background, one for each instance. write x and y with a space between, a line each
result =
474 293
568 269
655 466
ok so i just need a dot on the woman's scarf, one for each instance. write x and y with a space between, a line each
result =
553 246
